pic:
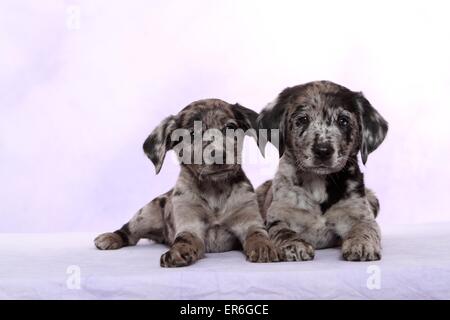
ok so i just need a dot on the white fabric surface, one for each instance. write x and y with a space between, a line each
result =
415 265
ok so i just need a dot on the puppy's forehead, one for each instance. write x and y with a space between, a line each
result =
321 95
213 112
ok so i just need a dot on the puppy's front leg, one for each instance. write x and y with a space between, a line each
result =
185 250
248 226
258 247
355 223
290 244
188 227
362 242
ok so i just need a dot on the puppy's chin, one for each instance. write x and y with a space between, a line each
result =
322 169
218 174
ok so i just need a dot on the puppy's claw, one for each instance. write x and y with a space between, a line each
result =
296 250
361 250
179 256
260 250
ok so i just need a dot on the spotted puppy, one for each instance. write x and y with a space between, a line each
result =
213 207
318 198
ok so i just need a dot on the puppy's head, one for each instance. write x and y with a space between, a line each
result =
206 136
323 124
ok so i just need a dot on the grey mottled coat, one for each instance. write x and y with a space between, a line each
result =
212 208
317 198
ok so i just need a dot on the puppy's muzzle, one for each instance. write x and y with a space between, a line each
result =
323 151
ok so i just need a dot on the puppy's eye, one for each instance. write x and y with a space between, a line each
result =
343 121
231 126
301 121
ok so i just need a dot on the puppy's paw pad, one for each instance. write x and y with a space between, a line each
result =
297 250
108 241
361 250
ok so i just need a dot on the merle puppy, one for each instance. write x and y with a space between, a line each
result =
213 206
318 198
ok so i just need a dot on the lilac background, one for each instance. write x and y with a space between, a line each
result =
77 101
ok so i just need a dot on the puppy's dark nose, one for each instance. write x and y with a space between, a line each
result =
323 151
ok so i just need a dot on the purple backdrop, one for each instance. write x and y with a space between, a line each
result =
82 83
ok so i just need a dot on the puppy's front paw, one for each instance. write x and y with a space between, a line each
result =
356 249
296 250
179 255
260 250
108 241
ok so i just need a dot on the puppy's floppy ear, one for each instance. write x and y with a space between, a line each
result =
158 142
273 117
246 119
374 127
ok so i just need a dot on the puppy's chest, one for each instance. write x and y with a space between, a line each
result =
316 190
317 196
216 213
216 207
316 229
218 238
